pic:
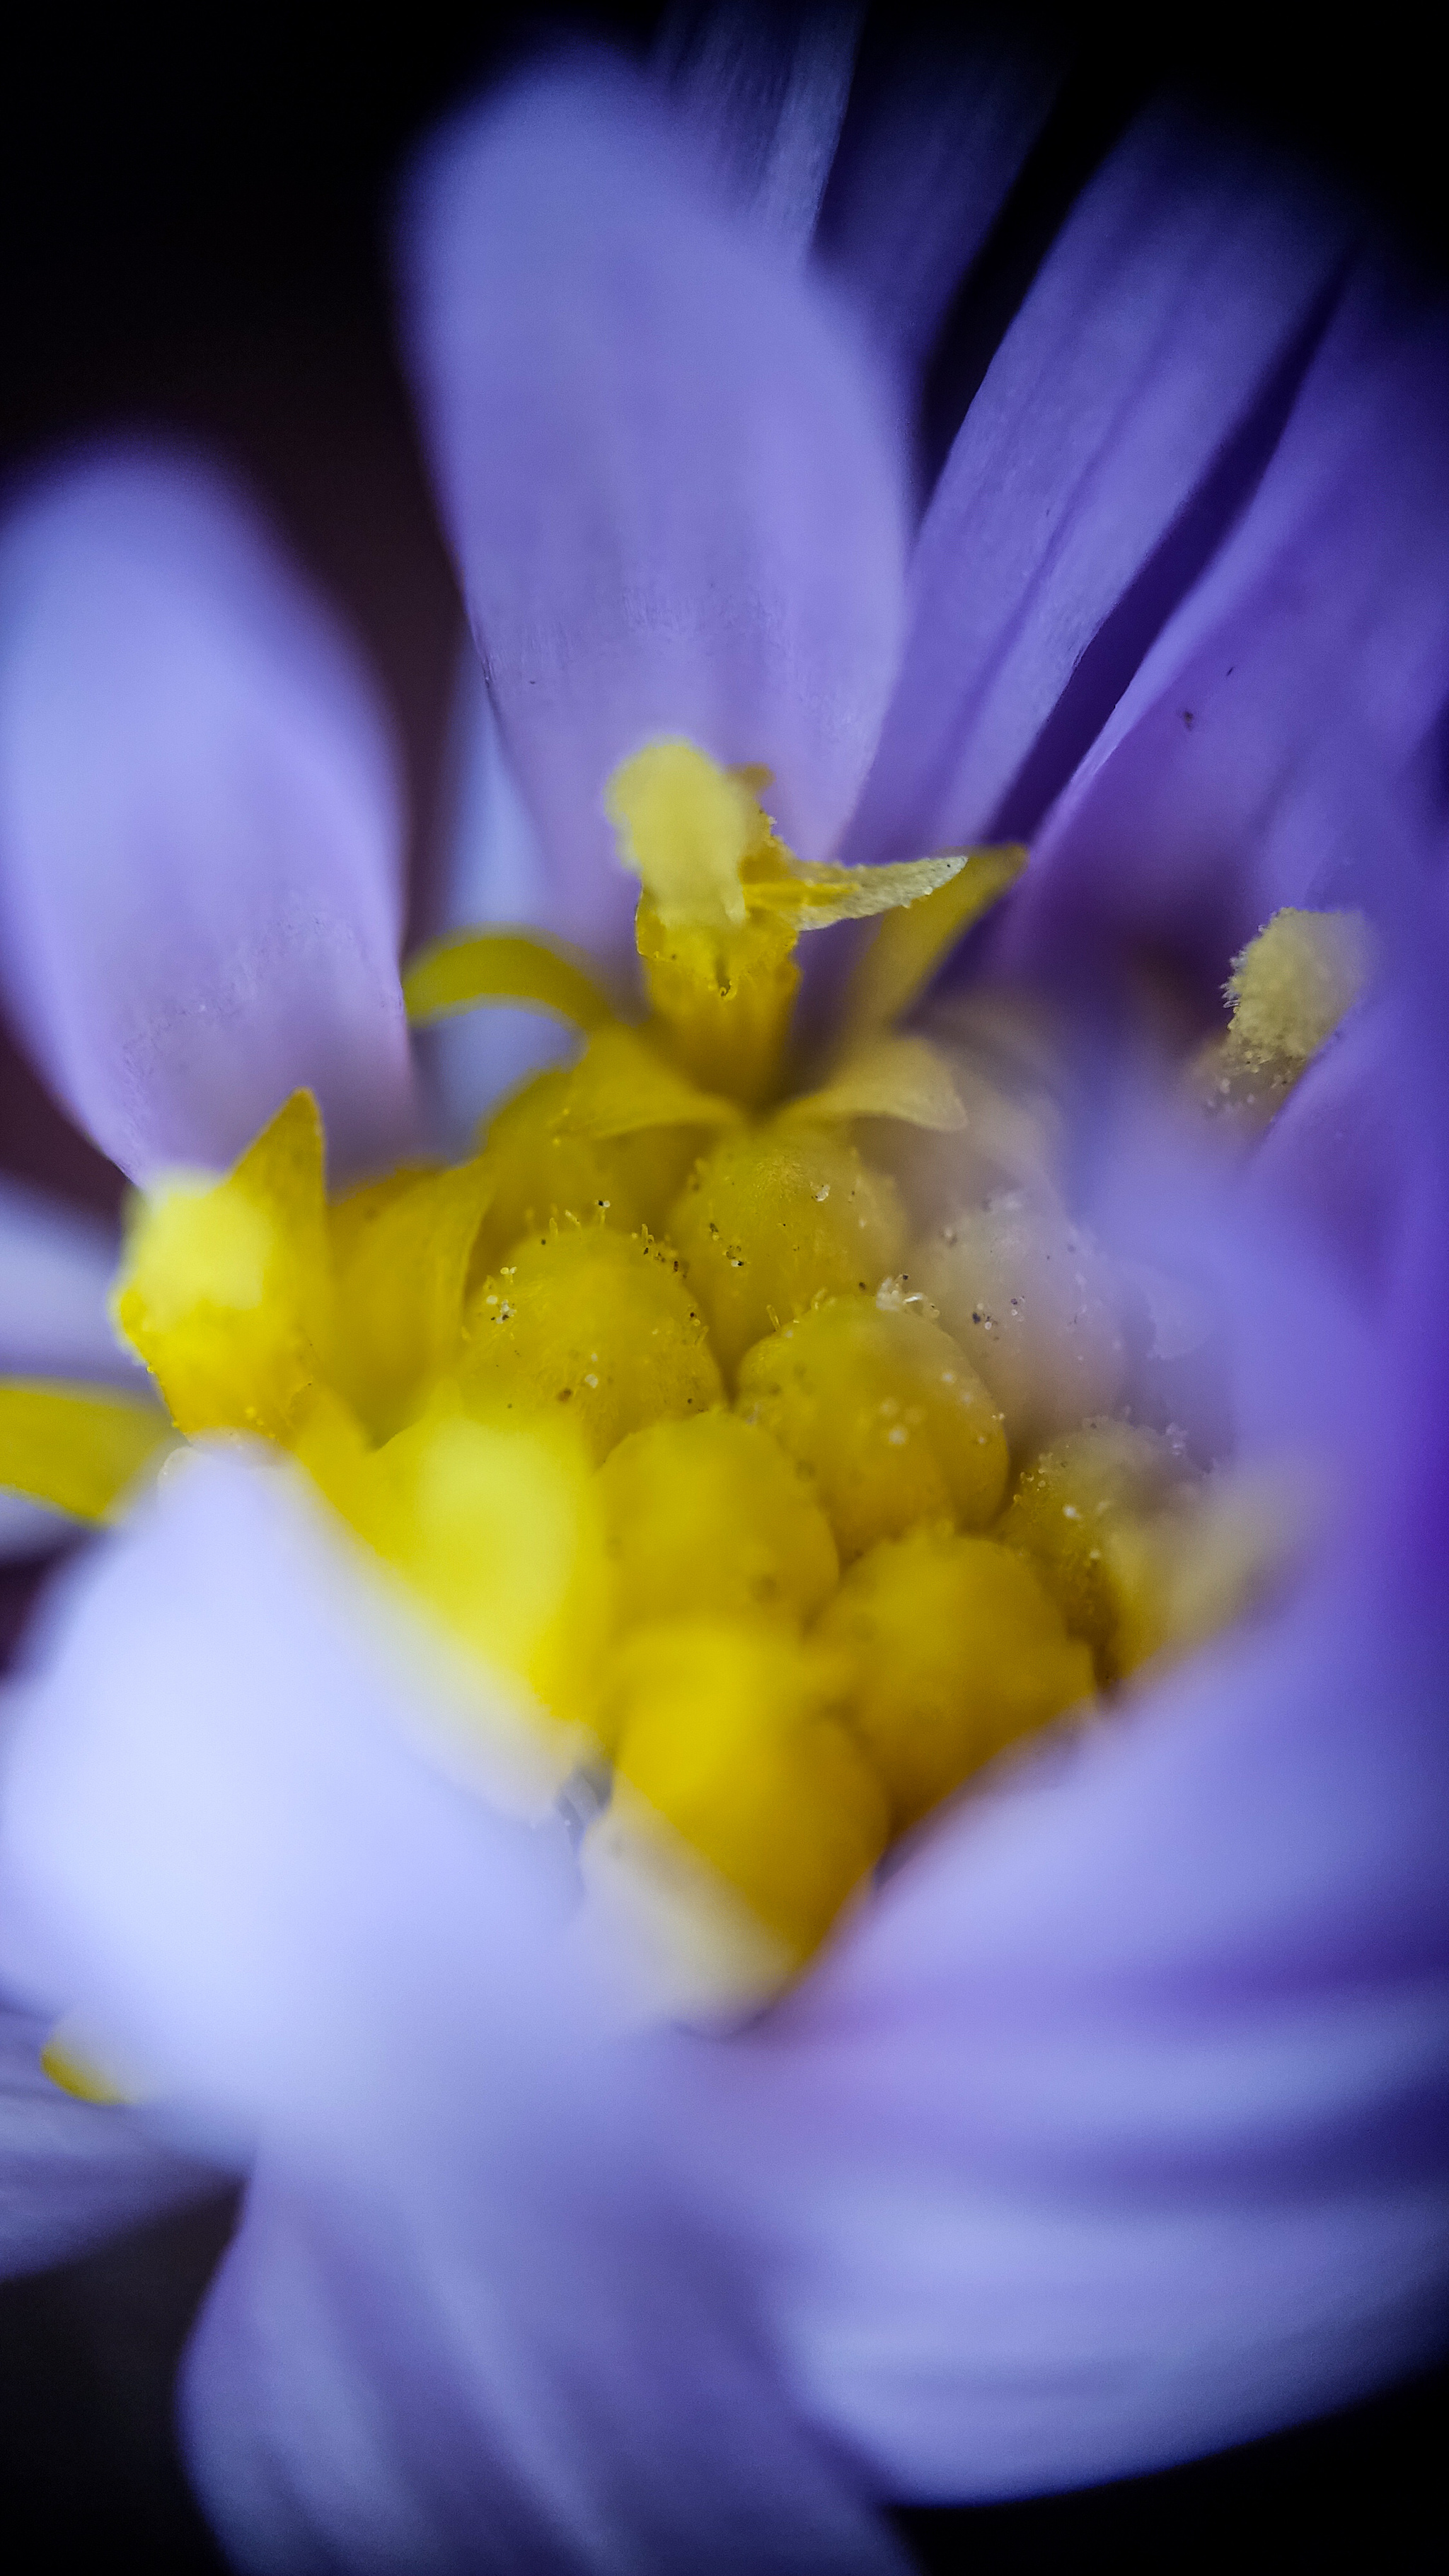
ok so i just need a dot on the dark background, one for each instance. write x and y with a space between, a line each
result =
191 220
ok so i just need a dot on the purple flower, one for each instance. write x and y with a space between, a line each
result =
1111 2128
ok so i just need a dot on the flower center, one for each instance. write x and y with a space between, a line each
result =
748 1493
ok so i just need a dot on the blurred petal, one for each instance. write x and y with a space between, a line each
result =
29 1529
1281 742
493 872
56 1266
200 823
765 90
471 2321
1127 412
72 2172
930 148
1117 2134
647 432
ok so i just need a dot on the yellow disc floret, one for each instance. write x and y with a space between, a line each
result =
773 1220
1035 1307
732 1736
884 1415
711 1518
956 1650
603 1323
541 1172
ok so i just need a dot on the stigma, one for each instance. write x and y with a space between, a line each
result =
759 1433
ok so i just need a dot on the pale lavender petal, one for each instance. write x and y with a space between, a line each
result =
1125 415
1118 2134
57 1263
930 148
29 1530
765 90
1281 742
475 2321
492 872
200 823
648 433
73 2172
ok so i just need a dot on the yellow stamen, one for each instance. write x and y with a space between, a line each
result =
1290 989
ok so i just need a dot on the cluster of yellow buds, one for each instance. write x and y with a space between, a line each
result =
756 1443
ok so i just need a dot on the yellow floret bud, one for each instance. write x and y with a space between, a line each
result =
710 1518
1036 1308
730 1736
539 1168
957 1651
601 1322
888 1420
223 1287
775 1219
1071 1506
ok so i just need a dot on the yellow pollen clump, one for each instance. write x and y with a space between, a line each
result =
1289 990
884 1415
615 1399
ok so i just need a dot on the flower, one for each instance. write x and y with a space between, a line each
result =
1105 2130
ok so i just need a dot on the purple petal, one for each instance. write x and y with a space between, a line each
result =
72 2172
928 152
472 2319
1279 743
765 90
56 1268
493 871
200 823
648 433
1117 2135
1124 416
